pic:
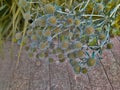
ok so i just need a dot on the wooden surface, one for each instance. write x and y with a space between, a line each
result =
31 76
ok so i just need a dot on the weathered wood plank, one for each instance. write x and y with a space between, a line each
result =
116 50
30 75
59 77
105 76
21 75
27 76
118 38
39 79
112 69
7 63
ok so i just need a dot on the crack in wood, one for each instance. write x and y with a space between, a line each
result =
106 75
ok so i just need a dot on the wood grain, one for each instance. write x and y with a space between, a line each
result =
32 75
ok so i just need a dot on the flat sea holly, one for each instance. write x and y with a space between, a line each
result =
78 33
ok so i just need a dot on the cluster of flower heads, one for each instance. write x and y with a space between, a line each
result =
77 37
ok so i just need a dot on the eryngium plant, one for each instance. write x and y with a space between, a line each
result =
77 34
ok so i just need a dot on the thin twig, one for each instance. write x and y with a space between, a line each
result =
89 81
85 6
93 15
115 10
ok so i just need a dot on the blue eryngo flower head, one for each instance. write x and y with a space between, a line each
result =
47 33
78 44
79 53
65 44
25 39
52 20
38 32
27 16
34 38
40 55
29 32
70 20
71 34
41 22
100 7
73 62
22 3
77 69
71 55
57 50
18 35
89 30
77 22
49 9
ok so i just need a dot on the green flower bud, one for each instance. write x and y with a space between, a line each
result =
71 55
41 55
79 53
93 42
62 60
84 70
14 40
73 62
77 69
57 50
109 46
30 54
61 56
91 62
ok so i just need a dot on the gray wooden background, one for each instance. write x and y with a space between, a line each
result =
31 76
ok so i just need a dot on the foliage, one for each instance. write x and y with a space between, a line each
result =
73 30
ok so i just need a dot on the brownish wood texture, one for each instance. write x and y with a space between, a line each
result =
32 75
